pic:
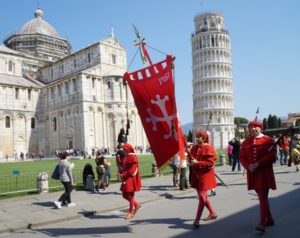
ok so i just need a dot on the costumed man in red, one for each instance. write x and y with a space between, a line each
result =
257 155
131 180
203 176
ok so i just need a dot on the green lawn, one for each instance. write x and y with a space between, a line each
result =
48 165
27 179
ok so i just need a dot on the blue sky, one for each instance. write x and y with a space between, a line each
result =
265 40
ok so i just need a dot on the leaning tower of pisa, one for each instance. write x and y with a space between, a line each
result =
212 79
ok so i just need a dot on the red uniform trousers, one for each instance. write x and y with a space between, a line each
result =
133 204
264 207
203 201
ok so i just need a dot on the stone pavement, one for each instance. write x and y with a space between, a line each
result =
38 210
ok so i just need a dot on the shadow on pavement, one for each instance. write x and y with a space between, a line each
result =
158 187
44 204
231 173
175 223
243 223
236 184
98 216
284 172
57 232
183 197
239 224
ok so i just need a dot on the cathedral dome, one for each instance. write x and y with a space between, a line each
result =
39 26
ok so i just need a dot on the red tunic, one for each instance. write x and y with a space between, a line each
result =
203 175
256 149
131 182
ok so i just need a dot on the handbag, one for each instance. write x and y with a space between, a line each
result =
55 174
100 170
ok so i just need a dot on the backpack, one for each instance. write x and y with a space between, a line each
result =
55 174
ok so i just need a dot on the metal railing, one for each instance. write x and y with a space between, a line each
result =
22 183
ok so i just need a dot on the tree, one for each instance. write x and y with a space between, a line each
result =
275 121
189 137
265 123
270 122
279 123
240 120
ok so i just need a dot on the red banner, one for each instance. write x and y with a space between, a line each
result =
153 92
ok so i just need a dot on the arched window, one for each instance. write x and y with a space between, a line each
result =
54 124
93 82
113 58
212 41
7 122
74 82
66 87
10 66
29 94
32 123
59 90
16 93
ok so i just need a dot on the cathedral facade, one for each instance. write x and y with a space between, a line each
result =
213 108
54 99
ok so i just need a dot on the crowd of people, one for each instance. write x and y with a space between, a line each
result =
257 154
128 174
288 150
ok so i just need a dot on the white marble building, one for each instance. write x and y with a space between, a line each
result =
52 99
212 78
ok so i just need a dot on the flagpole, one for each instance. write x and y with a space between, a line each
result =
141 43
257 111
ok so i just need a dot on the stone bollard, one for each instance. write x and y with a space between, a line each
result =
222 159
155 171
42 182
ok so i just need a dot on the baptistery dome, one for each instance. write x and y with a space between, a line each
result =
38 25
39 39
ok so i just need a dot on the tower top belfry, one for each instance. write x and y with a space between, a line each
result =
209 22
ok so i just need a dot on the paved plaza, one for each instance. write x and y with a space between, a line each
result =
166 211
